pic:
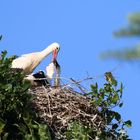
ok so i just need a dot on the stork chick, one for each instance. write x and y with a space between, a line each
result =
37 79
53 69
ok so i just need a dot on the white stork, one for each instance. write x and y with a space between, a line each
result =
51 69
28 62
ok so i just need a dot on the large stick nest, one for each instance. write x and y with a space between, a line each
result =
59 106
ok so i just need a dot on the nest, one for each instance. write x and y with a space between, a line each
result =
58 106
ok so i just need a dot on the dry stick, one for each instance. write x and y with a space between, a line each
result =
79 86
89 78
64 91
94 118
72 81
82 88
90 137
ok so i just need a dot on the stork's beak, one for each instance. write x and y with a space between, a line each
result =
55 52
54 60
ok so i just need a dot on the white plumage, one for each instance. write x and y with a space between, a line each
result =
51 69
28 62
31 79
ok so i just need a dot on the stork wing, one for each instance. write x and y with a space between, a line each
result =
22 63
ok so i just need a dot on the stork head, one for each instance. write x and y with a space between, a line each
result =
52 48
40 72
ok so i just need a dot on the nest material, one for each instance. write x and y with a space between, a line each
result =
59 106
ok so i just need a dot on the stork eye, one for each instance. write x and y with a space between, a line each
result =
57 48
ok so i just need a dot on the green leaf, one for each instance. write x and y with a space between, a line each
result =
101 90
114 126
44 132
94 88
3 54
121 89
110 78
8 87
115 99
0 37
2 124
121 104
107 88
128 123
117 116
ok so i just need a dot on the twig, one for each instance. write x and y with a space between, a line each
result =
48 102
79 86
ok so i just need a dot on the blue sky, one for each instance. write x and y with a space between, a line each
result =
84 29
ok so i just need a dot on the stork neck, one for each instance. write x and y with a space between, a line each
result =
46 52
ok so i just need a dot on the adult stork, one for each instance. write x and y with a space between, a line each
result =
28 62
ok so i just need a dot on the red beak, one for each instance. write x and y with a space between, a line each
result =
54 55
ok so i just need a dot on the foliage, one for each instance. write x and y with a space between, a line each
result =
78 131
132 30
105 99
17 120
